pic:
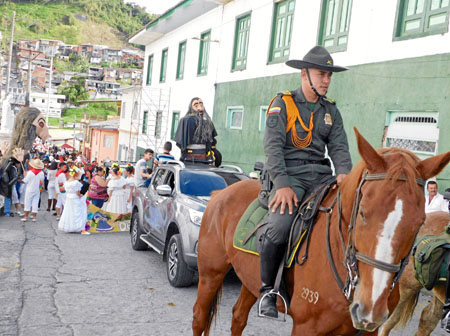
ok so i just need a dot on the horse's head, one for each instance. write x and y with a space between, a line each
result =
391 210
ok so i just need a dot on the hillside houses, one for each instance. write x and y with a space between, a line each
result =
102 80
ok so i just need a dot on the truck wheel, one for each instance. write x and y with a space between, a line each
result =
178 272
136 243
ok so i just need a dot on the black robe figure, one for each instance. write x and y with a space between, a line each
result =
196 128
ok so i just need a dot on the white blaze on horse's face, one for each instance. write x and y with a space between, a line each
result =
385 251
369 308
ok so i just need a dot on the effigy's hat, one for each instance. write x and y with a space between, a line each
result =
36 164
317 58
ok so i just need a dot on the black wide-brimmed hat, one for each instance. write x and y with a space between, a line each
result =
317 58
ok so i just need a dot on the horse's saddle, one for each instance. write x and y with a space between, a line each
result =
247 236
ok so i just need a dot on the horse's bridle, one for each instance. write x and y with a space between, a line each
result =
351 253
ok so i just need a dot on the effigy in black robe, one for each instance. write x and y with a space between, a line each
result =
184 136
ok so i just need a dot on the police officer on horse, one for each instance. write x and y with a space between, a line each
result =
299 126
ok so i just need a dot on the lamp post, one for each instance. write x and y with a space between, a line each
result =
49 86
10 53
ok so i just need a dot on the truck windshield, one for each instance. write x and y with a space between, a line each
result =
200 183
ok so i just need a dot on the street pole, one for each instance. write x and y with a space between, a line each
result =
49 88
84 130
28 103
10 52
74 121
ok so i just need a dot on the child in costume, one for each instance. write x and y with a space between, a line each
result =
117 202
51 177
130 185
74 216
34 180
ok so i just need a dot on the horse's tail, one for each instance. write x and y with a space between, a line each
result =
213 308
408 310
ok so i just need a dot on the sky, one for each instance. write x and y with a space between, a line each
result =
155 6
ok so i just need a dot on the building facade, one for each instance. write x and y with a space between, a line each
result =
233 54
55 107
103 141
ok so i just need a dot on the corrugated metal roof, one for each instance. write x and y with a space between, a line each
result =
175 17
108 124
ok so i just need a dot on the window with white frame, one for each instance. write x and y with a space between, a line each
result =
158 124
134 113
416 131
108 141
123 114
262 118
235 117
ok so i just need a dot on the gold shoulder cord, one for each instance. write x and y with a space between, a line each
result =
292 115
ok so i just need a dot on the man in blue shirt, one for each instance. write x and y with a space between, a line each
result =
165 156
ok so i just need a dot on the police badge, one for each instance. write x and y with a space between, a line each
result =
327 119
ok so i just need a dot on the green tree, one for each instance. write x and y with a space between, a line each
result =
75 90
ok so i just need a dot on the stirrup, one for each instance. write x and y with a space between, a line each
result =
272 291
445 322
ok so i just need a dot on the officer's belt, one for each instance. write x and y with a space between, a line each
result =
297 163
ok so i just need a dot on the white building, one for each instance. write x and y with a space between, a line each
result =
129 123
166 38
40 101
137 130
232 54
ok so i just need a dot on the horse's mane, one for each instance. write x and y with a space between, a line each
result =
401 162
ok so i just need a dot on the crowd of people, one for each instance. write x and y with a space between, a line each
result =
71 183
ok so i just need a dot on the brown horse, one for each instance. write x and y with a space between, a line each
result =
410 288
384 228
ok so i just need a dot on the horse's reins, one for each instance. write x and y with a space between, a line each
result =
351 253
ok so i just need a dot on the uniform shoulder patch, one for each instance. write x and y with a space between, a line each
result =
274 109
272 120
328 99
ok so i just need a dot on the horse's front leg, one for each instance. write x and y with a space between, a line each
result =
241 310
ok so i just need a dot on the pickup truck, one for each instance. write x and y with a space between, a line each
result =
167 215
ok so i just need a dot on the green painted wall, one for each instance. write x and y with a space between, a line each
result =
364 94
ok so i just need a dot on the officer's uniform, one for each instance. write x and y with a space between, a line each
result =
302 168
295 152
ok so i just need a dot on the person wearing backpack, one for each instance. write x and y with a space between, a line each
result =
7 182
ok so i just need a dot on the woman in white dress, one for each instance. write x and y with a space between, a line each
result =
60 190
74 216
51 177
130 185
117 201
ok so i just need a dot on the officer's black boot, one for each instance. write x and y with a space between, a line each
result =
445 321
270 259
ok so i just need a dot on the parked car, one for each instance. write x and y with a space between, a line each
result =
167 215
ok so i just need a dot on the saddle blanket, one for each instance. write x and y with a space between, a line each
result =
252 217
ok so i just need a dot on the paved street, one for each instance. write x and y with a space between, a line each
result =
53 283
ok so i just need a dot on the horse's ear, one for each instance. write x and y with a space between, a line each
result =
432 166
373 160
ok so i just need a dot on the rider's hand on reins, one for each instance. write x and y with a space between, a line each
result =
339 180
284 196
